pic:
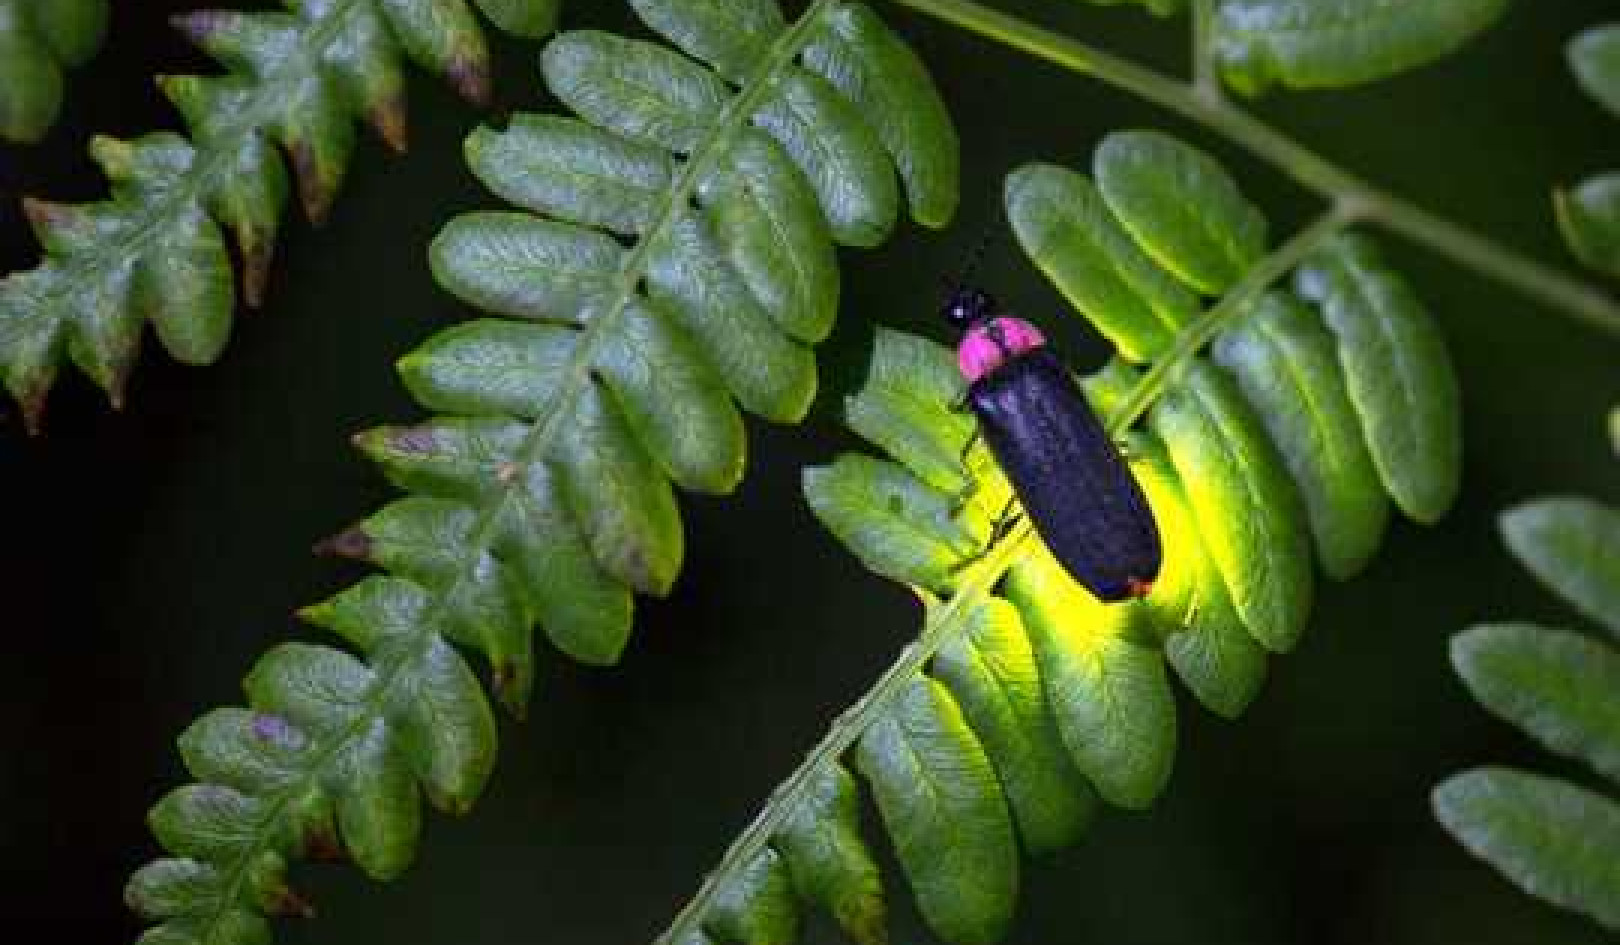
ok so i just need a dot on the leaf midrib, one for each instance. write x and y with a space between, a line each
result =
532 450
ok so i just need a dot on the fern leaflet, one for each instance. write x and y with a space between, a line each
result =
38 41
1025 700
1551 837
676 254
1589 213
154 251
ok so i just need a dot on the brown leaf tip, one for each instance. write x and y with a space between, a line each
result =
469 75
349 543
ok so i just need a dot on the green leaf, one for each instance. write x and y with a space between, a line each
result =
940 802
30 77
1594 57
1573 546
896 525
991 670
730 35
525 267
1063 224
38 41
827 859
767 225
839 154
1105 684
1181 207
1286 365
757 908
1245 508
563 167
889 86
897 408
1397 371
532 18
73 28
1205 640
636 89
1589 219
1551 839
296 81
1557 685
1310 44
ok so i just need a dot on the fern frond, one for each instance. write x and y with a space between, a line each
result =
674 260
1025 699
156 249
1551 837
1589 213
38 43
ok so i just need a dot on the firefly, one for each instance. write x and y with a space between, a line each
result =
1065 470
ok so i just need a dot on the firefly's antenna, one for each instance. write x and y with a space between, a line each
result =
975 253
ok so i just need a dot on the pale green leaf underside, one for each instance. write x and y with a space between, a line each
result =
1550 838
1309 44
1557 685
669 267
1572 545
39 41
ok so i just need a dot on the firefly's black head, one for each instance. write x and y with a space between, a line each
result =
968 306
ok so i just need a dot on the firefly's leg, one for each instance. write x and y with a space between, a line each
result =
970 485
1005 522
1002 527
1126 452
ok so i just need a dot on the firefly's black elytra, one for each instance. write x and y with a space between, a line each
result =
1073 483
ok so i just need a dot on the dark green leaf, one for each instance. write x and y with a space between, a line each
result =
1397 371
1065 227
1181 207
1287 366
1589 218
1309 44
890 87
1594 57
730 35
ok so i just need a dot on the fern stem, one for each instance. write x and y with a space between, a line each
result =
1545 284
1206 82
946 619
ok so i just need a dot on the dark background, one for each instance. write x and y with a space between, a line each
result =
150 556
